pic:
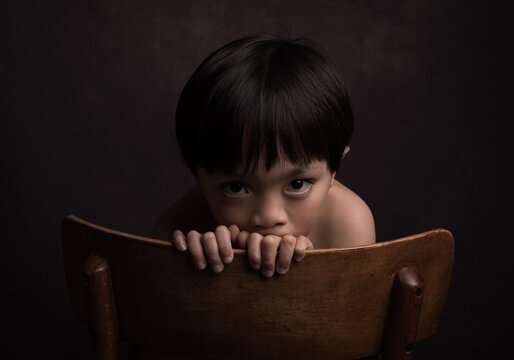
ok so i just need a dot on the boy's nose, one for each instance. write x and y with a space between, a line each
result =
268 214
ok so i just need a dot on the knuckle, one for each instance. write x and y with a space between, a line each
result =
304 238
288 240
255 237
268 240
302 241
208 235
224 243
192 233
308 244
207 238
222 229
191 240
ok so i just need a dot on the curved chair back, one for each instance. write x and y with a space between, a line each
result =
336 303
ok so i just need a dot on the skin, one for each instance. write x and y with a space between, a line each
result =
275 215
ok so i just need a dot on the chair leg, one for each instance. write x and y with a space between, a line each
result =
403 317
103 324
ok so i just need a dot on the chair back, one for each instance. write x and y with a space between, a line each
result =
337 303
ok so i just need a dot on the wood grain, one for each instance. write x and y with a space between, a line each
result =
334 304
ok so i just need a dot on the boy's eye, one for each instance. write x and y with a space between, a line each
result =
235 188
299 186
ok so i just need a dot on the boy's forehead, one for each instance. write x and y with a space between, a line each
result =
282 167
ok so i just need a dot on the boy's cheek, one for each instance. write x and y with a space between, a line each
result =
228 217
224 212
304 225
304 219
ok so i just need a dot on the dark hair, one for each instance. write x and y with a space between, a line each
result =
261 97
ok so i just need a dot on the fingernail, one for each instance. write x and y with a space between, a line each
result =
200 265
268 273
256 266
228 259
298 258
217 268
181 246
281 270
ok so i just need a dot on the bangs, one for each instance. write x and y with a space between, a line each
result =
279 101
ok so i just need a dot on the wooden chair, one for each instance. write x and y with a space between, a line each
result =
335 304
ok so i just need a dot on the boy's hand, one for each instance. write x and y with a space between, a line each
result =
271 253
214 248
268 253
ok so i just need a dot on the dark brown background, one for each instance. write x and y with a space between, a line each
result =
91 89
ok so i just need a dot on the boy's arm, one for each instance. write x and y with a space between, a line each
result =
189 213
189 225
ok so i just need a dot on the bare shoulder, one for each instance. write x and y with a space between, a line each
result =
349 221
190 212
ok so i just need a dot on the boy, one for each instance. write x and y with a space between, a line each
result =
263 124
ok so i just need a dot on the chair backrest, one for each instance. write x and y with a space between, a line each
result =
336 303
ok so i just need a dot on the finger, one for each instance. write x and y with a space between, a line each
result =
302 244
234 233
269 247
254 250
195 249
224 244
179 240
210 247
287 246
242 239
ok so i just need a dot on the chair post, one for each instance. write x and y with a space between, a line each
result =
404 313
102 320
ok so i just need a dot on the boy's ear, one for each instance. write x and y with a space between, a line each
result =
333 179
346 150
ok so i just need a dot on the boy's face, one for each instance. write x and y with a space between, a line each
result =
287 199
